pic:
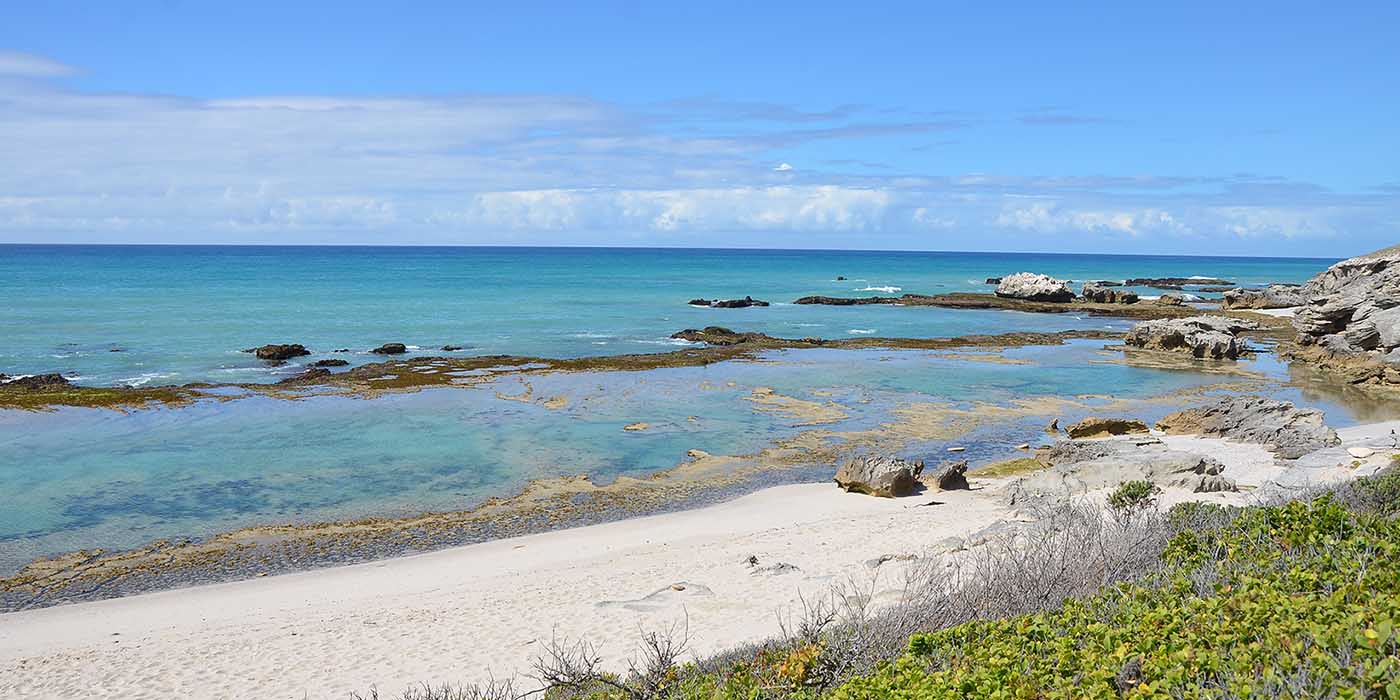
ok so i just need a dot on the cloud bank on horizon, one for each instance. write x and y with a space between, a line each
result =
86 165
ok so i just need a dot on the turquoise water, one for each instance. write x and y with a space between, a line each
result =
79 478
181 314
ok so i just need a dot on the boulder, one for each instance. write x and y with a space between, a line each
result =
390 349
1274 296
1034 287
728 303
452 348
279 352
950 476
993 280
887 477
1170 300
1211 337
1353 307
1104 427
335 362
1288 431
1099 294
51 380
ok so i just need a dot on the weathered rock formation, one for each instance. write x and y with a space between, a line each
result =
993 280
1099 294
1034 287
950 476
1213 337
728 303
1274 296
1175 282
1075 468
846 301
279 352
309 375
1171 300
52 380
1288 431
335 362
390 349
876 475
1350 317
451 348
1105 427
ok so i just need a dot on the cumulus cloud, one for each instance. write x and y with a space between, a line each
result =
484 168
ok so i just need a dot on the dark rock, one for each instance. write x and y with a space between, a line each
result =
1175 282
342 350
330 363
52 380
307 376
844 301
993 280
452 348
279 352
390 349
840 278
728 303
1100 294
1053 426
1034 287
1103 427
951 476
717 335
887 477
1289 431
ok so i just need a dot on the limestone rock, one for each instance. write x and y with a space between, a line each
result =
877 475
1034 287
390 349
1200 336
1075 468
1274 296
1100 294
1352 309
951 476
1288 431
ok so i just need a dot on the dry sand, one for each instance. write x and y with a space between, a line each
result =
471 612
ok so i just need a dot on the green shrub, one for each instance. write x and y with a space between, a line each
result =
1299 600
1133 495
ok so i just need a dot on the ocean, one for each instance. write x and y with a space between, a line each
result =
150 315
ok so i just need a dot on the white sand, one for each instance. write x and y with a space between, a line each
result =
465 613
1288 312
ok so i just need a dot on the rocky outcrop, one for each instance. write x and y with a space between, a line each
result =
846 301
1176 282
876 475
714 335
335 362
390 349
1213 337
1288 431
1099 294
452 348
1034 287
51 380
1076 468
279 352
1274 296
1352 309
993 280
1171 300
308 376
728 303
1105 427
950 476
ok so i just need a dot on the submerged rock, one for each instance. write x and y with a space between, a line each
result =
876 475
1104 427
1176 282
1274 296
279 352
1288 431
309 375
1100 294
715 335
728 303
1211 337
390 349
452 348
1034 287
845 301
334 362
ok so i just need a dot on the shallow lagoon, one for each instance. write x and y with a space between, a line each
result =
82 478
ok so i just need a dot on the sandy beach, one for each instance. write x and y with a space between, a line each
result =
484 610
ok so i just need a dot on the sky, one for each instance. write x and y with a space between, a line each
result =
1189 128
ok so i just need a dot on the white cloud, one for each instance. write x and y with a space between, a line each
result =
25 65
782 168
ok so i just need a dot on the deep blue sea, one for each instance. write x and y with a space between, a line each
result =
146 315
81 478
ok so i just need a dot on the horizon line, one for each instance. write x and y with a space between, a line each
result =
656 247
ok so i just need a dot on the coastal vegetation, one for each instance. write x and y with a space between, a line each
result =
1290 599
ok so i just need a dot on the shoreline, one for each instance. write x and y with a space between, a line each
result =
469 612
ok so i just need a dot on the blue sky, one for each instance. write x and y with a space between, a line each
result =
1257 128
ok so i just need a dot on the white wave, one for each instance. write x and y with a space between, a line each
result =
146 378
413 347
589 334
861 331
680 342
887 290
